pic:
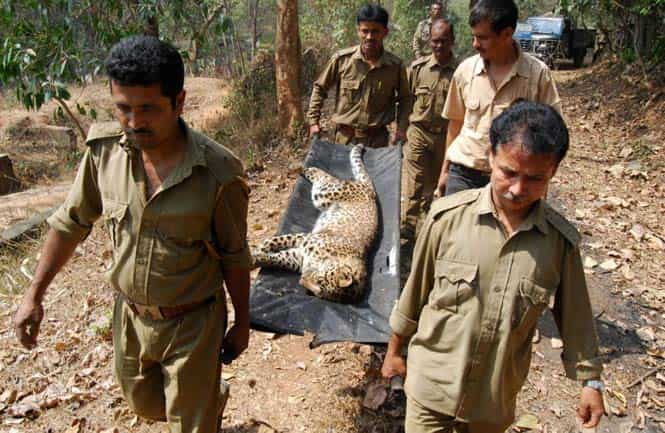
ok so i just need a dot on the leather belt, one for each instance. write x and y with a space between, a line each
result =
350 131
154 312
432 129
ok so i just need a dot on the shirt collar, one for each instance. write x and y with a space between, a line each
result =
383 60
535 218
521 66
432 63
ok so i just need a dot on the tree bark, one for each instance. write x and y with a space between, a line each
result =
287 67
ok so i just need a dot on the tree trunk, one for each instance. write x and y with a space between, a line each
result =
287 67
254 15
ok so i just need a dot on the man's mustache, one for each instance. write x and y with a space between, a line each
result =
512 197
139 131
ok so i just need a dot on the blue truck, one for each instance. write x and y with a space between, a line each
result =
554 38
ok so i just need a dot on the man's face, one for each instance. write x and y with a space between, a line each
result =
441 40
435 11
147 117
371 35
487 42
519 178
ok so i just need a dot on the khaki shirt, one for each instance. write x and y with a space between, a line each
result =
472 303
474 98
421 39
164 246
428 82
365 95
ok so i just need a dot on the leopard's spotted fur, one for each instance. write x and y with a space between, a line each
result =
331 259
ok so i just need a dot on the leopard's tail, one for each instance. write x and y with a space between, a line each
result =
357 165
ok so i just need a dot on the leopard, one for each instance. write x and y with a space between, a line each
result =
332 257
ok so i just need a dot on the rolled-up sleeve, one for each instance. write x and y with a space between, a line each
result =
454 109
83 205
547 91
574 318
231 225
406 312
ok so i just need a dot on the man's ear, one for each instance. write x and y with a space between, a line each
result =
180 101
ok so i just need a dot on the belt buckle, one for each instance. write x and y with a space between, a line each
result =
149 311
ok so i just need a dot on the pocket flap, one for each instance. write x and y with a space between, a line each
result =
350 84
455 271
536 293
113 210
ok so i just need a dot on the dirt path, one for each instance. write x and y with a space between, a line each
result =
280 385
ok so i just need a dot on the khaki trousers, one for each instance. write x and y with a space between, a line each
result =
419 419
169 370
423 158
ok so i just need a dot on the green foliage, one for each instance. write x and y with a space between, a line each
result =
329 24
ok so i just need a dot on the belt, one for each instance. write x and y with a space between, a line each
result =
154 312
468 170
431 129
350 131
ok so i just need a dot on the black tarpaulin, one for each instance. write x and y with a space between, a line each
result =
279 304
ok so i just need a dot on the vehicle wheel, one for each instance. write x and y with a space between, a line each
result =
578 57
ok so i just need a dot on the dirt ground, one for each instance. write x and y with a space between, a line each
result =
611 186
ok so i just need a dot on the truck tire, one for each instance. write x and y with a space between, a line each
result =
578 57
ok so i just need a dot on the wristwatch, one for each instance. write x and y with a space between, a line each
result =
596 384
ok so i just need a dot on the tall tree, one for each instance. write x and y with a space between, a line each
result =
287 67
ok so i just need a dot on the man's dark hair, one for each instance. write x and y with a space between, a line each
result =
144 61
436 3
500 14
539 128
439 21
374 13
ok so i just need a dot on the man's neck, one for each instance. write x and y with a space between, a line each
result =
505 57
511 220
444 59
168 150
374 58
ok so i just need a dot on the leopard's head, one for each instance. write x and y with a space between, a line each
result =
340 282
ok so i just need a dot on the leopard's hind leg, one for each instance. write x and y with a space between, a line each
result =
290 259
281 242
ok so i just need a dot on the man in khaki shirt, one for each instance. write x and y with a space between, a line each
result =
175 204
422 36
369 83
429 78
482 87
487 263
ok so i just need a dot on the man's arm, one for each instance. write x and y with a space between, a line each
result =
454 110
574 318
235 260
454 128
404 105
416 41
56 252
237 339
320 88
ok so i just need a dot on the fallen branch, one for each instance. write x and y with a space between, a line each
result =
644 376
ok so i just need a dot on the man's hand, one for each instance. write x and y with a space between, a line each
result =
400 135
591 407
235 342
443 179
27 320
314 130
393 365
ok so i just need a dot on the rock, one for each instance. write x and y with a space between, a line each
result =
646 334
8 181
61 136
375 397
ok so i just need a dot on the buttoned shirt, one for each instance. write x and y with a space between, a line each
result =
428 82
472 302
172 248
366 96
474 98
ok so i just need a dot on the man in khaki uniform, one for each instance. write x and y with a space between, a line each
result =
175 204
429 78
422 36
488 262
482 87
369 82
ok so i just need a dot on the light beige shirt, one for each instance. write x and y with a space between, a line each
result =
476 100
172 248
366 96
472 303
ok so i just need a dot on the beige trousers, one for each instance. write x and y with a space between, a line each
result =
419 419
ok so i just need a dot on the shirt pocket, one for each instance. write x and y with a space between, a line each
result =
180 244
115 218
530 303
349 93
423 102
454 284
